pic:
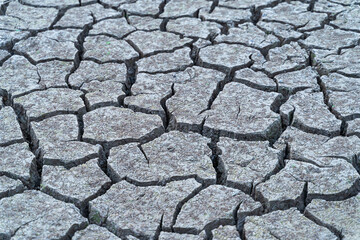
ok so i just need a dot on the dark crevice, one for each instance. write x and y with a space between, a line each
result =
167 116
218 164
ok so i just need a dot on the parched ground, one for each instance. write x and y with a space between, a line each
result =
180 119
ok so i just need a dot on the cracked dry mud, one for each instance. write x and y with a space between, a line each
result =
180 119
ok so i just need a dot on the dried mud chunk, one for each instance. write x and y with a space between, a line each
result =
53 100
79 16
19 162
354 127
10 130
35 215
225 232
53 130
53 74
55 3
328 7
142 6
49 45
126 207
248 163
328 181
156 41
294 13
307 111
171 156
348 19
343 93
281 59
255 79
3 54
18 75
9 187
288 224
103 48
193 27
246 3
113 123
285 32
249 35
90 71
31 17
7 38
177 236
179 8
241 111
213 205
165 62
145 23
103 93
78 184
342 216
116 27
225 15
227 56
94 232
293 82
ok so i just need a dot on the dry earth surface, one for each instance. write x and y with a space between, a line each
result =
180 119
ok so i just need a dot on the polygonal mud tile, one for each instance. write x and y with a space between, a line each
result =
18 162
55 3
287 188
103 48
179 8
173 155
90 71
343 93
69 153
31 17
240 111
225 15
193 27
156 41
177 236
248 163
49 45
94 232
166 62
346 63
330 39
141 7
318 149
306 110
145 23
10 131
53 73
340 216
114 123
117 27
193 90
103 93
255 79
53 130
9 186
294 13
282 59
3 54
139 210
246 3
51 101
227 56
18 75
113 3
79 16
225 232
249 35
35 215
7 38
77 185
292 82
348 19
354 127
329 7
288 224
214 205
284 32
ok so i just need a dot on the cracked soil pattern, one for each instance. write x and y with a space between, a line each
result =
180 119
